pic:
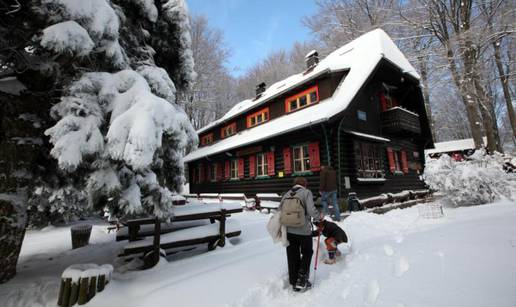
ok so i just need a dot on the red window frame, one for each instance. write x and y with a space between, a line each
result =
303 93
223 130
255 115
207 139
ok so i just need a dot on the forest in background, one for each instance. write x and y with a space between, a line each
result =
463 50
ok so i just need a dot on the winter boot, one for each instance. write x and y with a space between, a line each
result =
329 261
302 283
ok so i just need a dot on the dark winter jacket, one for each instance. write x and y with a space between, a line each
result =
328 179
332 230
308 201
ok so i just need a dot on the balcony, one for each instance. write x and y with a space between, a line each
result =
400 121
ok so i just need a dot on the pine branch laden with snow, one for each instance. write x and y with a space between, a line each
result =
479 180
67 36
116 121
84 26
176 14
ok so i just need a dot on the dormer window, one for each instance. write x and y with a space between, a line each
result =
228 130
302 100
207 139
258 118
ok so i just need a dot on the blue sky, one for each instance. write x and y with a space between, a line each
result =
254 28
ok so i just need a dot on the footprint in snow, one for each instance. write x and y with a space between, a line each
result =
399 239
373 290
401 266
389 251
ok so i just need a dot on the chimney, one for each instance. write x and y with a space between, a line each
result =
312 58
260 88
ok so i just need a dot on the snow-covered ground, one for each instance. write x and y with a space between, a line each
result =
398 259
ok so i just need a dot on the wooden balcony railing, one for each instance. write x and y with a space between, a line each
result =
400 121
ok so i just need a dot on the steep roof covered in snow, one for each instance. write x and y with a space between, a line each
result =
451 146
359 58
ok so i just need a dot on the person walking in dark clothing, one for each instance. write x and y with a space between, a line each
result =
300 250
334 236
328 190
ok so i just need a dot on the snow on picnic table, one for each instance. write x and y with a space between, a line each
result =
396 259
188 234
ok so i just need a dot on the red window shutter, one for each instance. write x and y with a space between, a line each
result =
270 163
252 166
201 171
218 176
227 170
313 154
287 161
241 168
404 162
383 102
390 157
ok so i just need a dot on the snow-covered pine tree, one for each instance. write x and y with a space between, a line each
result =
117 125
109 69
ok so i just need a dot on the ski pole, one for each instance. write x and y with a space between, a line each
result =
317 253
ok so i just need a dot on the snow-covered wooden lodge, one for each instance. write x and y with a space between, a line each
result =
360 110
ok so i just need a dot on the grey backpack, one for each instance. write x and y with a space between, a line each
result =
292 211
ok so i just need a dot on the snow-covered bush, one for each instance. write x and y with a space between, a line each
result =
478 180
62 205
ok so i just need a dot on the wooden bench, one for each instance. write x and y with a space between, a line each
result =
215 197
213 234
269 201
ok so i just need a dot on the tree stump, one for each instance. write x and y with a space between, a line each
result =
80 235
80 283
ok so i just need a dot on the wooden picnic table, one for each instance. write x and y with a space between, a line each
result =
186 213
212 212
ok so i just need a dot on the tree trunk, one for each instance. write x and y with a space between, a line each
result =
505 87
490 126
12 232
426 94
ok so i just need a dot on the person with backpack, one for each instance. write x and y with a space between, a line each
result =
296 210
328 190
334 236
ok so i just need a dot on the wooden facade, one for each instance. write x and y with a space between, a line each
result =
372 151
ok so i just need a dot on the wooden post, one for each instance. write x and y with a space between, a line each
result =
157 236
65 299
93 287
73 293
222 228
101 283
133 231
83 291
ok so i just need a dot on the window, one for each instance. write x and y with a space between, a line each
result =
233 169
258 118
213 172
207 139
398 162
261 164
228 130
301 100
301 159
368 157
362 115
